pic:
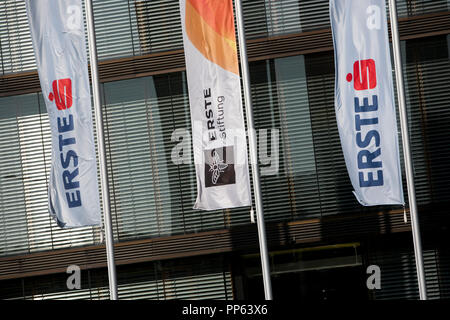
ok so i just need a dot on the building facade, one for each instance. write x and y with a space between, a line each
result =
320 240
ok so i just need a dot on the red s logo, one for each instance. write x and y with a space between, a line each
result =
62 93
364 75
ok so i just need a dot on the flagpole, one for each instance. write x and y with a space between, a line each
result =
253 153
407 153
102 155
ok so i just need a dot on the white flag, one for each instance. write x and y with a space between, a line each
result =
57 32
219 139
364 100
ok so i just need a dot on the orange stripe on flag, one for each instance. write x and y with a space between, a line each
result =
213 41
218 14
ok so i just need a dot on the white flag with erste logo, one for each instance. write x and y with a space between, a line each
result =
364 100
219 138
57 32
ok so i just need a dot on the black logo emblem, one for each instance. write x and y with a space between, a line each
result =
219 167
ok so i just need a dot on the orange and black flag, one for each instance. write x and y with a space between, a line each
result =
220 150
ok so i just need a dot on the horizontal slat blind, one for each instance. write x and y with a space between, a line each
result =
289 180
113 28
16 49
158 25
408 8
137 204
266 18
427 71
35 145
13 219
295 95
178 279
312 167
399 276
197 286
122 29
275 189
131 28
25 222
334 184
153 196
191 279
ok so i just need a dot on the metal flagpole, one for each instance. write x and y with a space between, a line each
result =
253 153
407 152
102 155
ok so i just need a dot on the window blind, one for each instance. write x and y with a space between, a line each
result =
427 76
137 27
13 225
152 196
26 225
192 279
399 276
267 18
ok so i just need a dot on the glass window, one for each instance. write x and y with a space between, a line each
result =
160 280
158 25
25 223
138 27
138 168
13 219
427 77
303 172
16 49
151 194
419 7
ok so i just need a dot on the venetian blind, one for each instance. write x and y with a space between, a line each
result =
267 18
192 279
135 27
399 275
